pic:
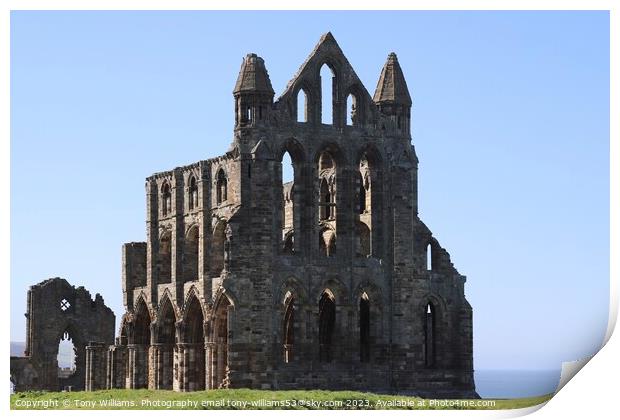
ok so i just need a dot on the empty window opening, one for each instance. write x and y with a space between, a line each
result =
260 112
351 110
327 187
166 199
190 256
325 203
248 114
398 123
66 356
288 203
65 305
327 94
331 246
327 243
288 171
365 189
327 320
364 328
429 335
164 258
429 257
193 193
289 333
289 243
322 245
364 227
302 106
221 187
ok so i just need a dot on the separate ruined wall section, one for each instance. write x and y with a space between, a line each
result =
58 310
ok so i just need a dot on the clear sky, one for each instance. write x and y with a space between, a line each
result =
510 122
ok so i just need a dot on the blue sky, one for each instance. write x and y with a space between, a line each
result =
510 122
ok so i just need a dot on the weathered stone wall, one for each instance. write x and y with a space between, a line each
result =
318 283
96 366
55 310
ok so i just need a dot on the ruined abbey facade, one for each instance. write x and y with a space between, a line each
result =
329 281
55 311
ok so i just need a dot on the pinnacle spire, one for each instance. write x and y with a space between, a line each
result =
253 76
392 87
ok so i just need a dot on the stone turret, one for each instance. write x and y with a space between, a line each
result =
392 96
253 93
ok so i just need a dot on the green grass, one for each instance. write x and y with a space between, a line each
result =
244 399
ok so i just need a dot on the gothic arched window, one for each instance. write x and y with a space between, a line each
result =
327 321
364 328
289 329
429 257
166 199
429 335
222 187
328 87
193 192
302 106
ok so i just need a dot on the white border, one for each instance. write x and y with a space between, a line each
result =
593 395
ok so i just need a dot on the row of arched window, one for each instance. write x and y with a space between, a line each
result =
221 193
326 201
189 342
329 95
192 375
327 206
327 322
190 254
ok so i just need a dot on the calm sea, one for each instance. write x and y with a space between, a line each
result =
515 383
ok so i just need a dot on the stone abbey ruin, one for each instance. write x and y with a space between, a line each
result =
329 281
57 310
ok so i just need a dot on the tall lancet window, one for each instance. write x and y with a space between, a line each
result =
363 226
193 192
289 332
221 187
166 199
352 117
288 204
302 106
364 328
361 195
429 257
429 335
328 82
327 321
327 187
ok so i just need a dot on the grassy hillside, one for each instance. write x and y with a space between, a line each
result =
248 399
